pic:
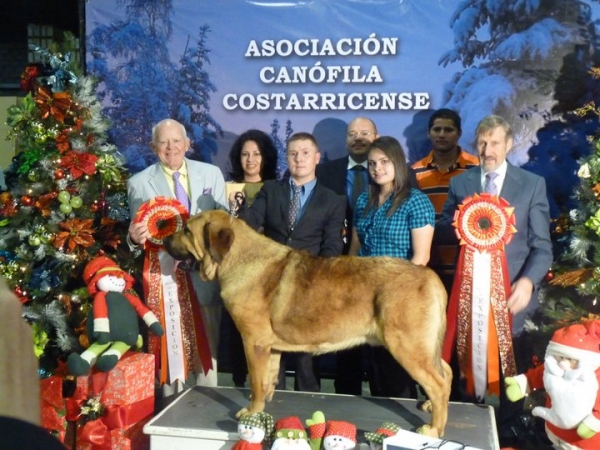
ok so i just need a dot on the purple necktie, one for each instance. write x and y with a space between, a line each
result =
180 193
490 183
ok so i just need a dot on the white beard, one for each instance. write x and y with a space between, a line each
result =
572 391
290 444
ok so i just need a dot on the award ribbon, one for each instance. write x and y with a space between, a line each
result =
170 294
479 324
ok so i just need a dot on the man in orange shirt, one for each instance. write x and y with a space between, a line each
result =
445 161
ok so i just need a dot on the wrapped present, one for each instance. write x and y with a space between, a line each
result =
131 439
53 406
132 380
111 406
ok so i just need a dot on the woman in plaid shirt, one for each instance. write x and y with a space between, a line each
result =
391 219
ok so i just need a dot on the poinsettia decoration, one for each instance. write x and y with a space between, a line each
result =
79 163
110 235
56 105
62 141
77 233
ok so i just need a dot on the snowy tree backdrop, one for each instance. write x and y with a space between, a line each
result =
527 60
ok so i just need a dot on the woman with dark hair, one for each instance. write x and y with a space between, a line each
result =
253 159
391 219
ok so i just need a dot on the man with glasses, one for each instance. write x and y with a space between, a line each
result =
349 176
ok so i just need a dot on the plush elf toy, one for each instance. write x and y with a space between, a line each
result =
375 438
253 430
570 375
112 325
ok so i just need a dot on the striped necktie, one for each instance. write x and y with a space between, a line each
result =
294 205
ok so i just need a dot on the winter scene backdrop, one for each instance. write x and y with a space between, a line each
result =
224 67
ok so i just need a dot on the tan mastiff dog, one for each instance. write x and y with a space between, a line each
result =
286 300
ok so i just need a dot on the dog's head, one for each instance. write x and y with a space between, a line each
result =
207 237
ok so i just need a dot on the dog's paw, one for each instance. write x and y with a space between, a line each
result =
242 412
426 406
428 430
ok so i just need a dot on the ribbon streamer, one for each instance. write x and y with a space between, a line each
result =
170 295
479 324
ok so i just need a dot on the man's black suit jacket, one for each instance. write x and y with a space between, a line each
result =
319 229
332 174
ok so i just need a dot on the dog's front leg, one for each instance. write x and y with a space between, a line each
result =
261 384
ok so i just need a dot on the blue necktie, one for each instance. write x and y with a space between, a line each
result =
294 205
180 193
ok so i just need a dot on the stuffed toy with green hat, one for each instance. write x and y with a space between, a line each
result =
375 438
254 430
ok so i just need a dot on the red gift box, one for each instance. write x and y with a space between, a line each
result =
132 380
53 406
132 439
127 396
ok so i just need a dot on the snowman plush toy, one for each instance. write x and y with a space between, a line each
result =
112 325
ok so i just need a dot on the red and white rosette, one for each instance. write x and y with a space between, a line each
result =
170 295
477 312
163 217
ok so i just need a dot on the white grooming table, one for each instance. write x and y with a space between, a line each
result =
204 418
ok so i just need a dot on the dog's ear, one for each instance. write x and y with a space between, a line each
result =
218 237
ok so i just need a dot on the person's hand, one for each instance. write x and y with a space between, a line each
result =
513 390
138 233
585 432
522 289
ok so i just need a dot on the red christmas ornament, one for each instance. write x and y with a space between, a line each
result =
59 174
27 200
549 276
94 207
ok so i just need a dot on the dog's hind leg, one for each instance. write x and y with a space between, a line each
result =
259 359
427 369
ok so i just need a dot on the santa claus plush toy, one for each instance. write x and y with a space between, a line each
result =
570 375
112 327
290 434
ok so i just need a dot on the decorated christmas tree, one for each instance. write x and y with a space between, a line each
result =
66 201
571 290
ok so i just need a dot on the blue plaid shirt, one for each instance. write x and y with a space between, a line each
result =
380 235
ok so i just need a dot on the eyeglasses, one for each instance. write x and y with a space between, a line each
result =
445 443
362 134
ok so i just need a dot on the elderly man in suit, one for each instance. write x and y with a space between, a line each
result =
302 213
529 253
199 187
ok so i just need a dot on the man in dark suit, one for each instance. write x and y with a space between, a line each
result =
349 176
529 253
302 213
